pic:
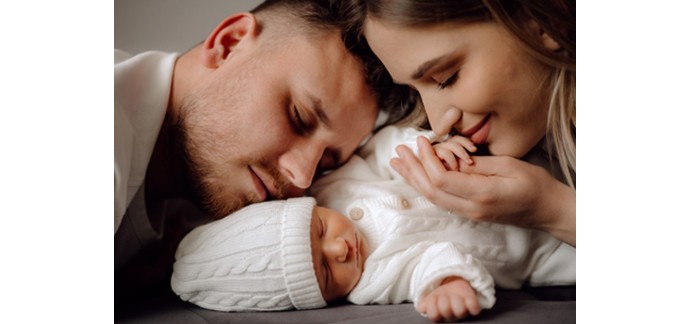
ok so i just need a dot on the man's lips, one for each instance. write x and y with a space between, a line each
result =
258 185
264 186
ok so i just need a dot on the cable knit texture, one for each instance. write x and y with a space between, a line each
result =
414 245
257 259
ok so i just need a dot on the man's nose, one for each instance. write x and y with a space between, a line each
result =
298 164
336 249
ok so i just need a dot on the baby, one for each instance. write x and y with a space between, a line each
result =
393 246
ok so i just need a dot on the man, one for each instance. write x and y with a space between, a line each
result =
269 100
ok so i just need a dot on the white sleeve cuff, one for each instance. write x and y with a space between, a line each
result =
446 262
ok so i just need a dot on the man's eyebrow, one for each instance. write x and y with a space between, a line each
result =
426 66
318 110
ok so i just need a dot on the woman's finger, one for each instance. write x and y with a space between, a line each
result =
430 162
413 171
415 176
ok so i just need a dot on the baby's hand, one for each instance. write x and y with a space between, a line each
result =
452 149
453 300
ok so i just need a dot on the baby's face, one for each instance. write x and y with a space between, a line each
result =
338 250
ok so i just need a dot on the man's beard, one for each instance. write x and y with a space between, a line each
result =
210 184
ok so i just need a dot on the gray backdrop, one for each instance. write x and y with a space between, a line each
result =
170 25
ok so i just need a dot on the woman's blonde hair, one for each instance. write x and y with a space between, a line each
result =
555 18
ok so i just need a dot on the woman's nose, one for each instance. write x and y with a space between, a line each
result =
443 121
441 114
337 249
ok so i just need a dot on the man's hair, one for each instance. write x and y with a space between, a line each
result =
314 18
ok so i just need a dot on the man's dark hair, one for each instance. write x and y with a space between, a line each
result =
315 17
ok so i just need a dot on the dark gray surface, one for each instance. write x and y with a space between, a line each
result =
544 305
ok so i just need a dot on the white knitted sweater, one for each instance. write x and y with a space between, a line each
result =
414 245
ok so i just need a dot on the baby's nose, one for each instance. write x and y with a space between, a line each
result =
338 249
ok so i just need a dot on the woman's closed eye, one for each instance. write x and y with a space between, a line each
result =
449 81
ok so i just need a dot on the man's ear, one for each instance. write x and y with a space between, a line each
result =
546 39
226 36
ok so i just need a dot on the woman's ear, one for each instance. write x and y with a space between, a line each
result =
549 42
234 30
546 39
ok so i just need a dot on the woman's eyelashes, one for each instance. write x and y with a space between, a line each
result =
449 81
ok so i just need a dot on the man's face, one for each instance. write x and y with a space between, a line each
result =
267 120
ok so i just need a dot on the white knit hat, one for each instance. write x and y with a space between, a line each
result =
257 259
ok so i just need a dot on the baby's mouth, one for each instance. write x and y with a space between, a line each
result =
356 250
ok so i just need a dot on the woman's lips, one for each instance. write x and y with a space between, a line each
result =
479 133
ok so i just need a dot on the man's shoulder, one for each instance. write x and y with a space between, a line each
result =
121 55
152 58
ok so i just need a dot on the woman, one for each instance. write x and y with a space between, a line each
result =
501 73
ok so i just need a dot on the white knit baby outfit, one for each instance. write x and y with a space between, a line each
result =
414 245
257 259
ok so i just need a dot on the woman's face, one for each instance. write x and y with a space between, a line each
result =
472 77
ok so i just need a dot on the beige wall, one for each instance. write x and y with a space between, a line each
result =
170 25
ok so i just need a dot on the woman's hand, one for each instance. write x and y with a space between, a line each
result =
497 189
